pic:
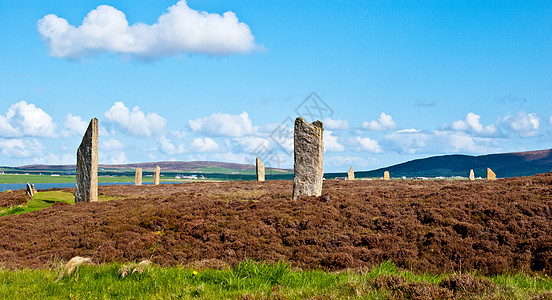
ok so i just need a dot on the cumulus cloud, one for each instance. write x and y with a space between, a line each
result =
222 124
112 144
170 148
472 124
252 144
337 160
135 122
438 141
384 122
56 159
20 148
73 125
179 30
367 144
113 157
25 119
179 134
330 142
337 124
523 124
204 145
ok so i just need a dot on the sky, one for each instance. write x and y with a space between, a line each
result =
221 80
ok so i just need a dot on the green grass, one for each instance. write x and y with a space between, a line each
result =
31 178
246 280
43 200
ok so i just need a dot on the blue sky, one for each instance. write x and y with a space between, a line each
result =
220 80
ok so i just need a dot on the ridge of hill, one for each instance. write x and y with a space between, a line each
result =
503 164
177 166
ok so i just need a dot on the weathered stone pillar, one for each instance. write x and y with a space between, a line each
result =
30 191
260 170
87 165
472 175
32 188
156 174
308 146
351 174
386 175
138 177
490 174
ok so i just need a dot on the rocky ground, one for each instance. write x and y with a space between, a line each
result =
433 226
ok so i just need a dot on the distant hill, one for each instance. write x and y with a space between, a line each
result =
177 166
504 165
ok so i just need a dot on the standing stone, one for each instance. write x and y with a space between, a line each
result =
490 174
472 175
138 177
351 174
87 165
260 170
29 191
156 174
386 175
308 146
33 189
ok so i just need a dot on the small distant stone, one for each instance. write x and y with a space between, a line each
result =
351 174
386 175
490 174
156 174
472 175
138 177
260 169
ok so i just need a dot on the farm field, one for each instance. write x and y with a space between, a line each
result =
425 227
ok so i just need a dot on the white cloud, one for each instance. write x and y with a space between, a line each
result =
113 157
74 125
384 122
112 144
550 121
20 148
337 124
253 144
524 124
367 144
204 145
472 124
179 30
331 144
168 147
355 161
437 141
135 122
179 134
222 124
24 119
55 159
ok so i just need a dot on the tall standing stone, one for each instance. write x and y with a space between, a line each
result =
138 177
386 175
351 174
472 175
260 169
490 174
156 174
308 147
87 165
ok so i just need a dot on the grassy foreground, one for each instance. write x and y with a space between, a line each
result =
250 280
43 200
